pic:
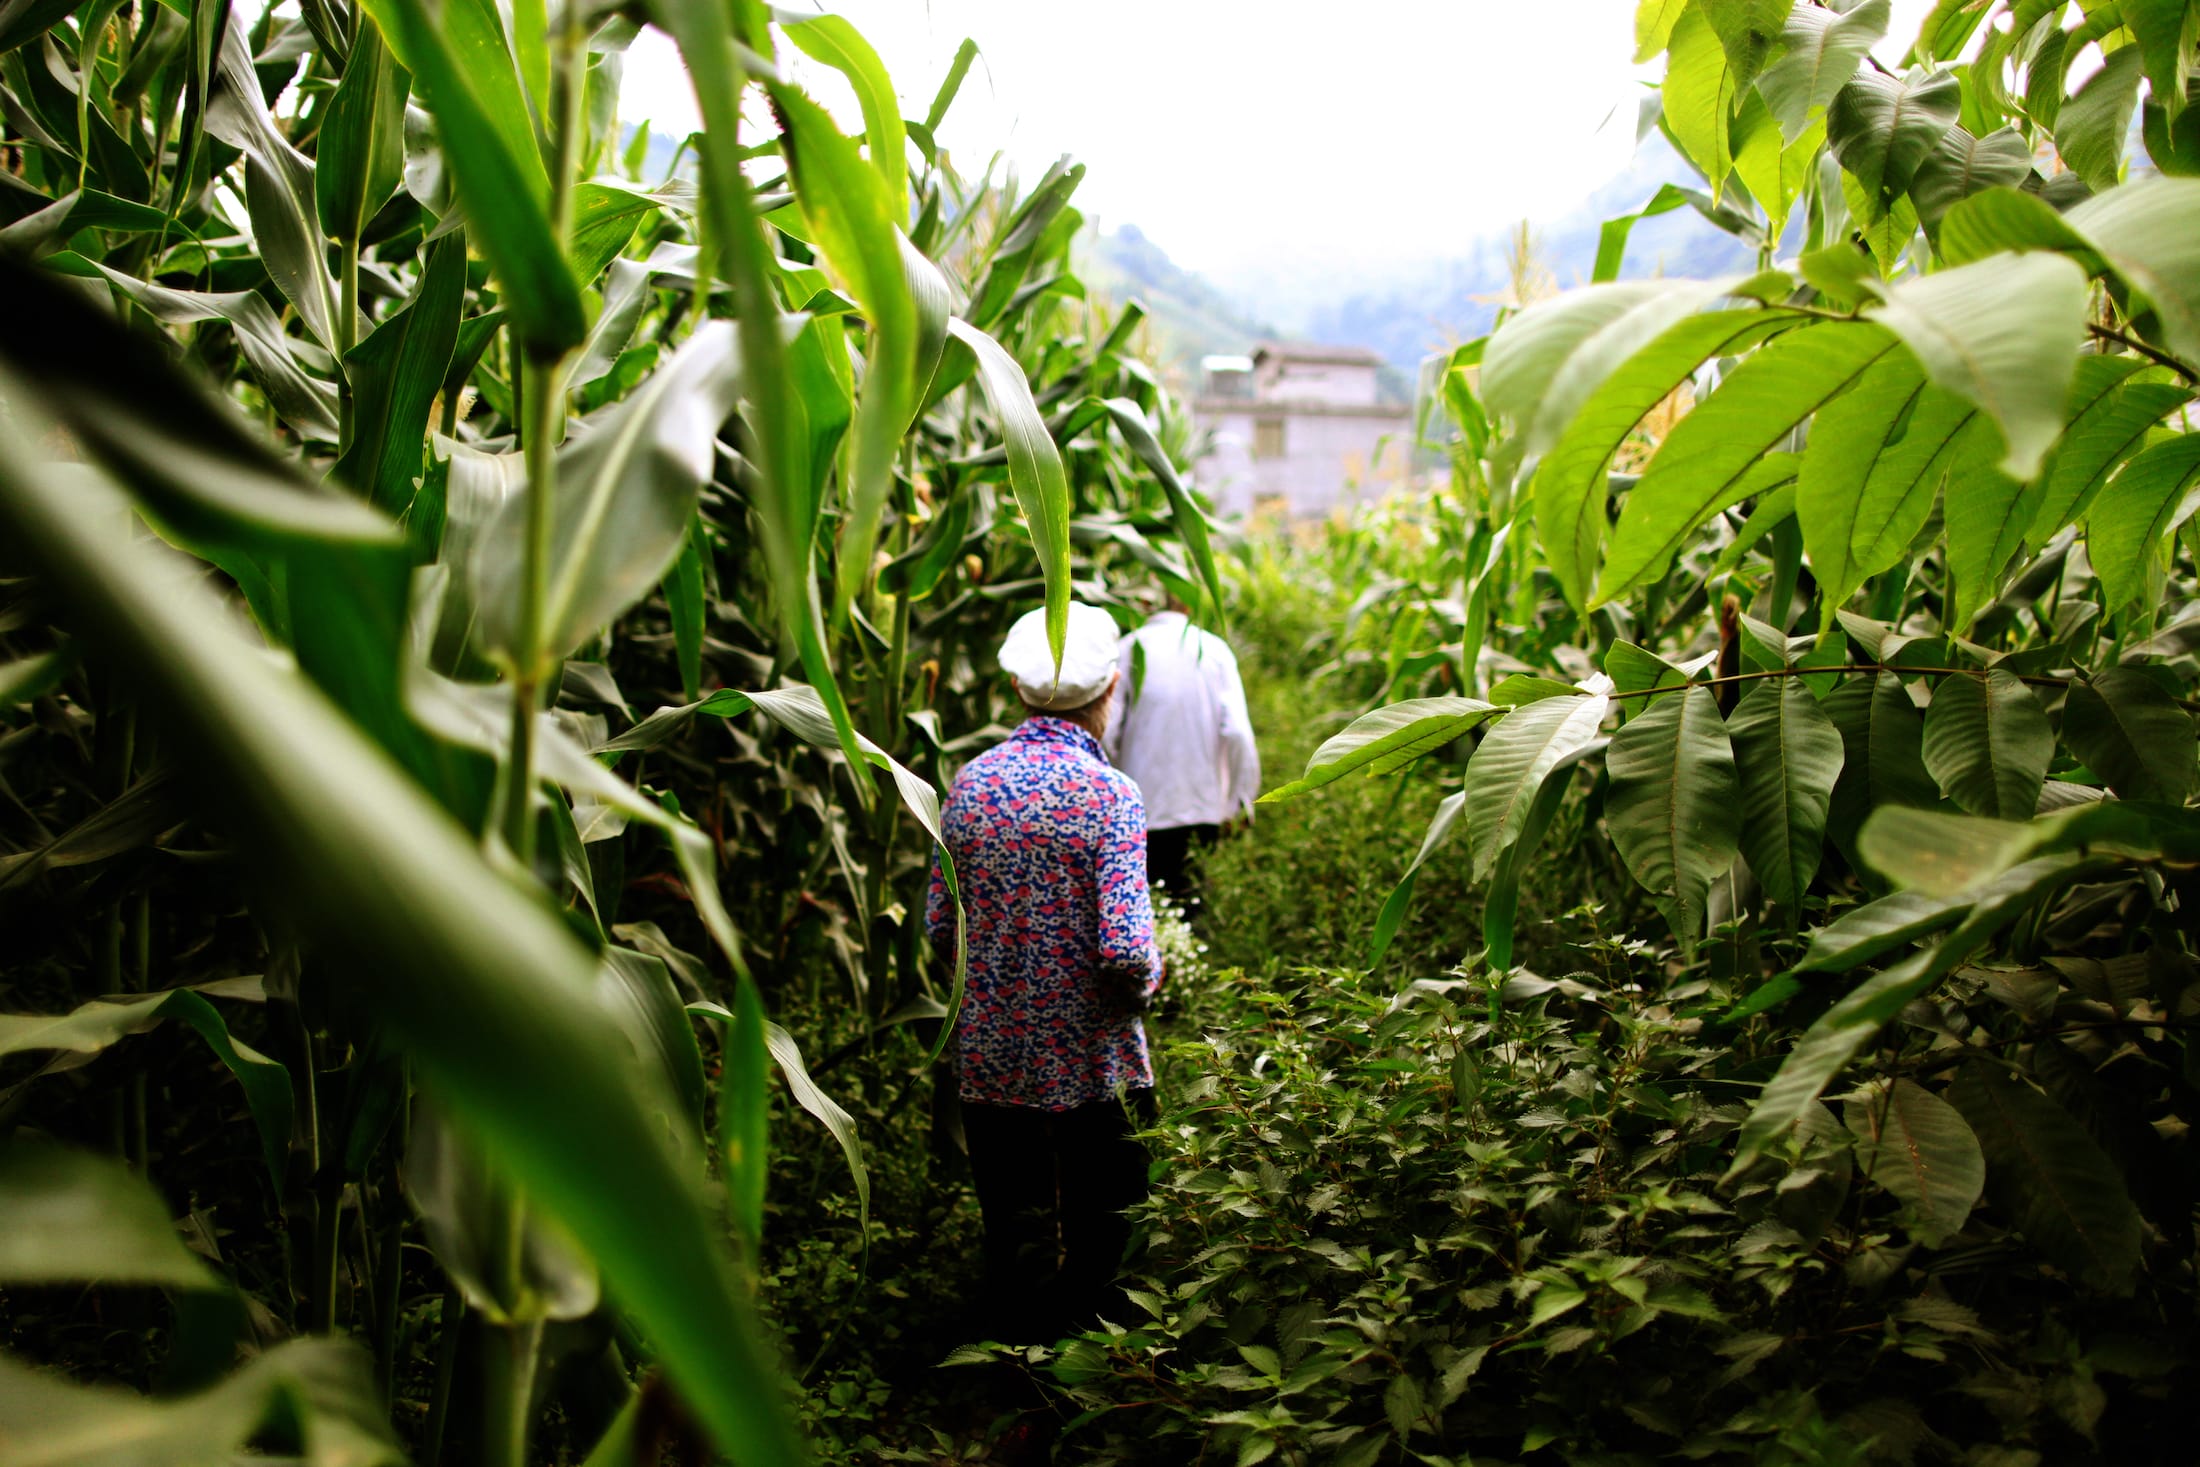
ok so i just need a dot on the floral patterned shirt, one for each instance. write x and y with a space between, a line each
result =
1050 854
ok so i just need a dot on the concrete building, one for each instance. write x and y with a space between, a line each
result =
1299 428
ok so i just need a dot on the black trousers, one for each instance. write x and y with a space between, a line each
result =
1053 1187
1171 859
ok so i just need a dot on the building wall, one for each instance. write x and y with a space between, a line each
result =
1330 459
1341 383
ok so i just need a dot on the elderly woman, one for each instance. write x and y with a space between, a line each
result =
1050 851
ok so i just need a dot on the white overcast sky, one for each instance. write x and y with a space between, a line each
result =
1265 135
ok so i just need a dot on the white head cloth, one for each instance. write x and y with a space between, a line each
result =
1088 657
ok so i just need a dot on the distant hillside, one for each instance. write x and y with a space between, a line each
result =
1190 318
1405 312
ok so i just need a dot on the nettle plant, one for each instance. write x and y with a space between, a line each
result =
1854 596
375 442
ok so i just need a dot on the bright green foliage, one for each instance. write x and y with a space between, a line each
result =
471 447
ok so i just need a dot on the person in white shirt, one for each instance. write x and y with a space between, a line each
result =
1180 728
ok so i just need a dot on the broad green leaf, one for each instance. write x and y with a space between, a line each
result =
395 375
1635 671
319 1392
1823 51
1034 468
2052 1179
463 65
1185 513
2164 29
361 154
1961 165
1570 484
2001 219
2016 365
950 84
626 488
396 900
1985 514
1441 827
1788 755
1675 805
74 1218
305 402
1530 349
1883 759
639 992
1987 743
2146 230
2110 423
1883 127
471 1217
788 1056
1863 933
2091 128
832 40
1749 31
92 1027
1511 764
605 216
1874 463
1041 212
1654 22
1917 1146
1839 1033
1699 91
857 222
1706 463
2136 513
2133 735
1774 170
279 188
743 1132
1388 739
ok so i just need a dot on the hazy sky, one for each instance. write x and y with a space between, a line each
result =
1251 136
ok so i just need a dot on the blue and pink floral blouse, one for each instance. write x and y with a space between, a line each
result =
1050 853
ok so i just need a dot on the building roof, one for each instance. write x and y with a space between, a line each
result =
1314 351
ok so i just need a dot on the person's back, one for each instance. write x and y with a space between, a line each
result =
1180 729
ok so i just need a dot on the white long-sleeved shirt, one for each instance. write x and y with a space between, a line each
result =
1183 733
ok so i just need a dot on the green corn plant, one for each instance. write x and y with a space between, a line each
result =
376 435
1847 597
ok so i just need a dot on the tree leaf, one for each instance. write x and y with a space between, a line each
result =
1987 743
1675 803
1788 756
1699 91
1863 933
2109 423
1705 464
1883 761
1875 460
1501 902
1985 515
1824 48
1961 165
1883 127
2145 230
2133 735
1917 1146
1570 483
2016 365
1511 764
1387 740
1530 349
2051 1178
1748 30
2136 513
2091 127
